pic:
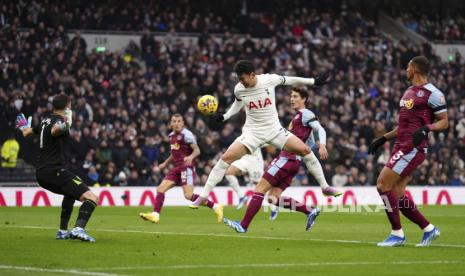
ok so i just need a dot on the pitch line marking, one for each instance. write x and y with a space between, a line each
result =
275 265
68 271
241 236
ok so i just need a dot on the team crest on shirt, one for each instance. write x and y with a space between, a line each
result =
175 146
179 137
420 93
406 103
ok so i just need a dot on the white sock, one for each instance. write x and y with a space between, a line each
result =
398 233
155 213
314 167
215 176
428 228
234 183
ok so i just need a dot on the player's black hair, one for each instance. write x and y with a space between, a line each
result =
60 102
302 92
244 67
422 64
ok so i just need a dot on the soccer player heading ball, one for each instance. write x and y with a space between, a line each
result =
279 174
256 94
421 104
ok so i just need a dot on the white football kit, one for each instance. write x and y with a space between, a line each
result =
252 164
262 122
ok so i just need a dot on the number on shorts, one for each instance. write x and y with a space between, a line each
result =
397 156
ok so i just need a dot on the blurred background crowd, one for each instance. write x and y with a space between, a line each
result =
122 101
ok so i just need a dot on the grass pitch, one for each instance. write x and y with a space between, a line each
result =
190 242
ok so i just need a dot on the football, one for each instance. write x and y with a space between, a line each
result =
207 105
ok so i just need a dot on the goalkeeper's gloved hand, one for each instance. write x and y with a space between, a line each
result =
322 79
419 135
69 117
22 123
375 144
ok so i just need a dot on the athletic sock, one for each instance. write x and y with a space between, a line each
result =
398 233
159 199
207 203
392 208
409 210
254 206
66 211
234 183
85 211
292 204
314 167
428 228
215 176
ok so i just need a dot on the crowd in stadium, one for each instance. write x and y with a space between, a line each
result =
436 28
122 101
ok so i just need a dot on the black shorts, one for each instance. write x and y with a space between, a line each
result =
61 181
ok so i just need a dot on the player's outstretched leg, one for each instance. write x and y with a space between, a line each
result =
314 167
89 202
235 151
385 184
409 209
154 216
66 211
275 198
295 145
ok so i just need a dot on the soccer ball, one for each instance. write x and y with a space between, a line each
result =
207 105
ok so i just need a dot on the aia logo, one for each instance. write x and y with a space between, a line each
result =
259 104
406 103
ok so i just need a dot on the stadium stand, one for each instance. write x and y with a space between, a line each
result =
122 100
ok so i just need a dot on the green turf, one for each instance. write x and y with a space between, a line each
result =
190 242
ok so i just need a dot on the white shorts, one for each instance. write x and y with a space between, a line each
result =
253 141
251 165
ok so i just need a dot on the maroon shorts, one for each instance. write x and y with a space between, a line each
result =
182 175
281 171
404 161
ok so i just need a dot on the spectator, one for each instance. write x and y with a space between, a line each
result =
10 149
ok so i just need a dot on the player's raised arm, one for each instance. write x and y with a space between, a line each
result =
24 125
320 80
233 110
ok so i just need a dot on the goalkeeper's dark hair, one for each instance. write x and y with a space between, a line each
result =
244 67
303 93
421 64
60 101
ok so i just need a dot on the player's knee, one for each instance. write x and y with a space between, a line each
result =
382 185
303 151
90 196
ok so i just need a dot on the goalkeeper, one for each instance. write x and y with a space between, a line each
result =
52 170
